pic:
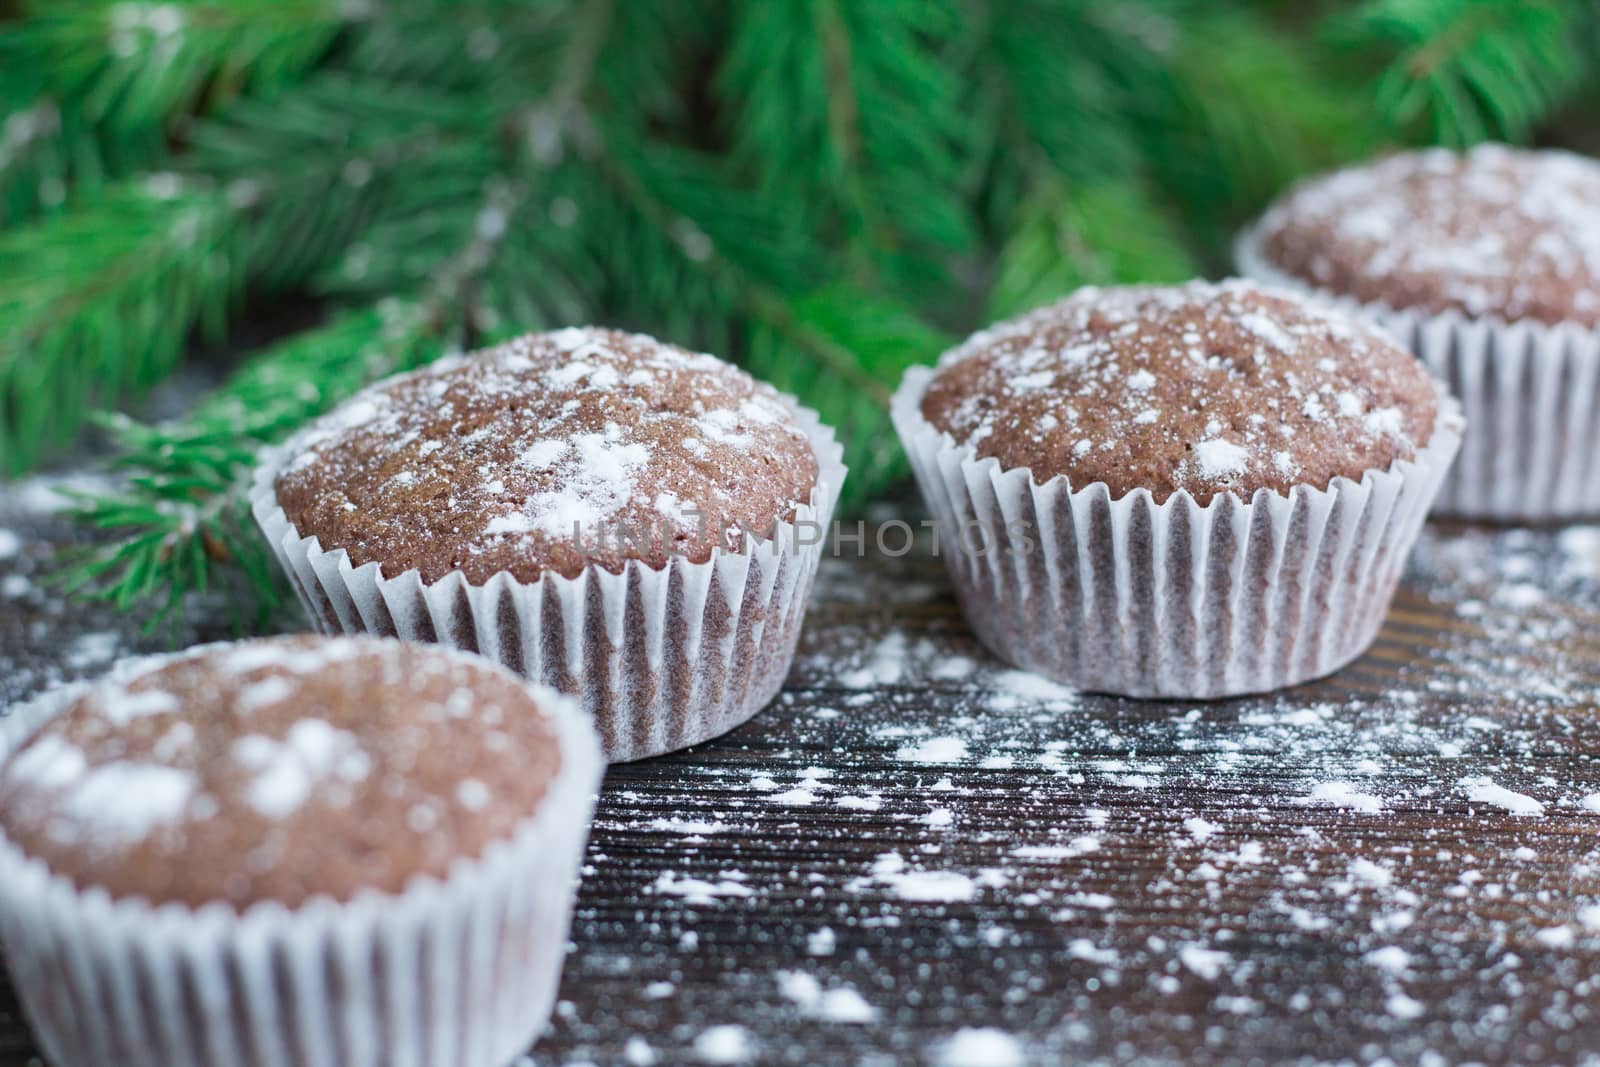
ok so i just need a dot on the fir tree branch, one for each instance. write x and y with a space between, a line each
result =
102 300
182 525
1241 110
853 113
1065 237
1462 71
92 89
839 348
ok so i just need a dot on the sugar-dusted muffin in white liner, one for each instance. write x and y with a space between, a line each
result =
135 935
1486 265
1205 592
665 646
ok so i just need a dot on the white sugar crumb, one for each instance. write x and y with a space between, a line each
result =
931 886
638 1053
473 795
117 805
1366 872
1391 959
1402 1006
838 1005
1483 791
726 1044
980 1047
822 941
1205 962
10 544
1345 795
701 891
1218 459
286 773
934 750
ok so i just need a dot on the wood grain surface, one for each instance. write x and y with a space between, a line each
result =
916 855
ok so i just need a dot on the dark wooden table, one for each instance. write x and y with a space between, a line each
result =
916 855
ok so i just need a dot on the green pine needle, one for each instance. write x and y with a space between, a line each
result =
102 299
1463 71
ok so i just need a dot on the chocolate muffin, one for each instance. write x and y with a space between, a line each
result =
556 452
623 520
1494 231
1192 492
316 814
295 768
1201 388
1485 264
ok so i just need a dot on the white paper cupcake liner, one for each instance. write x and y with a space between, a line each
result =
459 971
662 659
1530 392
1176 599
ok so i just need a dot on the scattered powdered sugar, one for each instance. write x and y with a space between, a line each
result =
1243 868
1116 880
980 1046
117 805
1217 459
701 891
1344 795
838 1005
1483 791
288 772
726 1044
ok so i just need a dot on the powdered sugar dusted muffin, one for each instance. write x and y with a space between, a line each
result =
1192 491
1204 388
1511 233
1486 265
612 515
552 452
288 822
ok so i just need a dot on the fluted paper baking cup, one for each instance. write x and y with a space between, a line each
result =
1177 600
660 658
1530 392
460 970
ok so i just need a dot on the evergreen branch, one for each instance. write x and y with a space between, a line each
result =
136 65
92 90
1241 110
324 161
183 525
102 300
1070 75
1462 71
839 348
1070 236
852 113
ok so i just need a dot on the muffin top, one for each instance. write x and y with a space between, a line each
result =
281 770
551 452
1492 231
1205 387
